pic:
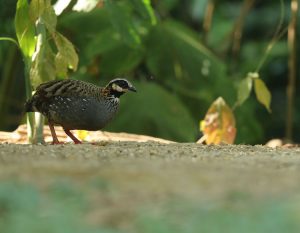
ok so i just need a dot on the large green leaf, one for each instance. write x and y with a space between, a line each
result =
43 67
121 19
66 56
173 44
104 41
198 65
154 111
25 29
176 56
120 60
159 53
36 9
43 10
76 22
49 17
187 36
12 93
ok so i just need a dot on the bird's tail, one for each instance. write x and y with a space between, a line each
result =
29 106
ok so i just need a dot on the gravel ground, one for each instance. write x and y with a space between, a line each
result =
135 175
181 168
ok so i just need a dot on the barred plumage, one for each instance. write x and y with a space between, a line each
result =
75 104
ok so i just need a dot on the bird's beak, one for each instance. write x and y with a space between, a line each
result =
132 88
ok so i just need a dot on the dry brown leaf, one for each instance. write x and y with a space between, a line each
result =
218 125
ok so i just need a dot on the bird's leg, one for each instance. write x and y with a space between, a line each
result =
55 140
68 132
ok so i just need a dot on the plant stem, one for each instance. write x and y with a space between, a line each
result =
39 119
208 19
35 121
292 70
30 116
279 32
238 28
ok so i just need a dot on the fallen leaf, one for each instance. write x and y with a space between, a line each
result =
218 125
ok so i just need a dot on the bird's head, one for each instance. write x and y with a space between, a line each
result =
119 86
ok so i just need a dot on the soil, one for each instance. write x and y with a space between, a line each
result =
151 168
143 173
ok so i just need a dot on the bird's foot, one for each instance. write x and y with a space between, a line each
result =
75 140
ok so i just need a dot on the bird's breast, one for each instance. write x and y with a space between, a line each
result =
86 113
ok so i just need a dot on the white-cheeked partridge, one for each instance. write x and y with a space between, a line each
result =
75 104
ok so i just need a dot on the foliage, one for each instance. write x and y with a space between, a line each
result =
158 113
33 23
262 93
25 30
164 51
41 21
164 42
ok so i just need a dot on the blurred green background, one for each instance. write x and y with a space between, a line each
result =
65 208
178 61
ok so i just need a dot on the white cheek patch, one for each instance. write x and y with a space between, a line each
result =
117 88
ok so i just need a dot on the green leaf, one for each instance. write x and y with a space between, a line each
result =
122 21
36 9
176 55
160 52
262 93
144 8
120 60
186 36
43 10
172 43
43 67
244 89
25 29
66 56
49 17
105 40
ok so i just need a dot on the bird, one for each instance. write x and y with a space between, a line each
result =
75 104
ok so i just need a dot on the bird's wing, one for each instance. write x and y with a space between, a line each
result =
67 88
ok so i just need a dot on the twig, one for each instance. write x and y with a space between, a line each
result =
208 19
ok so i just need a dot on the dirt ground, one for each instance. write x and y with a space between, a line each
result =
157 170
136 175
